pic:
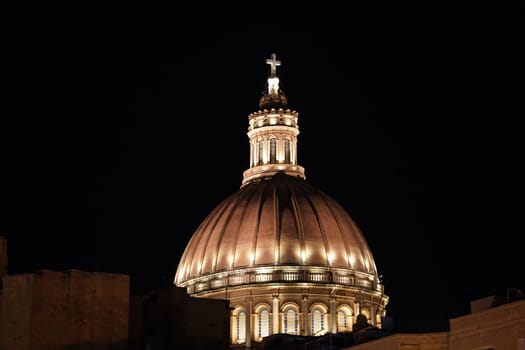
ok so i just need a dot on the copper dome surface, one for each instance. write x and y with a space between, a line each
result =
280 220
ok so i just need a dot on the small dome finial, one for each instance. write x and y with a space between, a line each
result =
274 98
273 80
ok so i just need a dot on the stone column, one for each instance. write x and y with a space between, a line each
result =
275 314
333 315
373 316
304 310
249 323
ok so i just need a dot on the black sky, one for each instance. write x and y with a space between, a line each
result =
123 127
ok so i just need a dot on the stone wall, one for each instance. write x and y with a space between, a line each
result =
71 309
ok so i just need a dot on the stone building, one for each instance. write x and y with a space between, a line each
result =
501 326
497 327
286 255
81 310
71 309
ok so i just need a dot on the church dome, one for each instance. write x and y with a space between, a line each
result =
278 221
287 256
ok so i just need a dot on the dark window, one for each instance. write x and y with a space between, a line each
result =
287 151
273 146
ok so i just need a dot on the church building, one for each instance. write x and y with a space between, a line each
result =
287 256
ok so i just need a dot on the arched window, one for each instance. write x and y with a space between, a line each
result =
341 319
291 320
264 323
260 160
253 158
241 327
317 321
273 150
344 319
287 151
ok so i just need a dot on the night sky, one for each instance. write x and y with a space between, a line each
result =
123 127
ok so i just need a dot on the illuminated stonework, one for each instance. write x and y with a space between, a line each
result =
287 256
273 144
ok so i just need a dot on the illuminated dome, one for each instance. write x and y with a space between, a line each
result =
286 255
277 222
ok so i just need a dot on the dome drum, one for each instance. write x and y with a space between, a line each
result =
335 307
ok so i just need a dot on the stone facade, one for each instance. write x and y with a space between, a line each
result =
72 309
498 327
83 310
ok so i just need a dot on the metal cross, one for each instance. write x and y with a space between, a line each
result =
273 64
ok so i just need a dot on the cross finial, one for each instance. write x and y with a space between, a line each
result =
273 62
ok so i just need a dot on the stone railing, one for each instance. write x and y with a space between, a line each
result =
292 275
